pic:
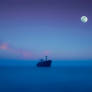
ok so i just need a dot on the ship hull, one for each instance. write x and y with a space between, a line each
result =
44 64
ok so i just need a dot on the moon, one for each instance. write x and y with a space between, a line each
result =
84 19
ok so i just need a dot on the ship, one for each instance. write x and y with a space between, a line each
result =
44 63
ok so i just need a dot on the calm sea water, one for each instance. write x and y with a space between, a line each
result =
65 78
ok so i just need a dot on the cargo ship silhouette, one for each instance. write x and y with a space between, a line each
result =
44 63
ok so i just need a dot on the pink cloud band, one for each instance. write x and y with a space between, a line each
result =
21 52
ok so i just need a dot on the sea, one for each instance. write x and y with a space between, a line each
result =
62 76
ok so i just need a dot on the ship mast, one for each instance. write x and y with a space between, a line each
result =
46 57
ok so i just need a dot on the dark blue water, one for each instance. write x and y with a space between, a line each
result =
55 79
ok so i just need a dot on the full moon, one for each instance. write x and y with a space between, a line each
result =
84 19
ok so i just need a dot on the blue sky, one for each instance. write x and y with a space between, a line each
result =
30 29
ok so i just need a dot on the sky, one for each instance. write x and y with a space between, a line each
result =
31 29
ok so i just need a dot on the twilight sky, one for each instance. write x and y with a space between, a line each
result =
30 29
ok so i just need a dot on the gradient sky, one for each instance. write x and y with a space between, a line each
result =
31 29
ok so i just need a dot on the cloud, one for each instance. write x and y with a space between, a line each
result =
22 53
26 54
4 46
47 52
